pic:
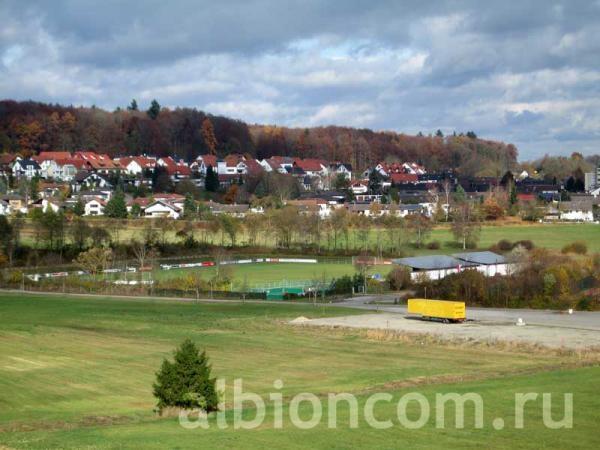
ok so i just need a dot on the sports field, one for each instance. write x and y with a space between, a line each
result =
77 373
260 274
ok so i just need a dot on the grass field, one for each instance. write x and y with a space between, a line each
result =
553 236
77 372
260 274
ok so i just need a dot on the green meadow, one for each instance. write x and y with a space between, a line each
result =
77 373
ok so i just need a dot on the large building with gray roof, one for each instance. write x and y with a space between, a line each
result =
437 267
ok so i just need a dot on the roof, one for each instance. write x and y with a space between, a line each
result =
253 166
97 200
142 161
169 196
486 257
96 161
209 160
28 163
44 156
310 164
7 158
141 201
410 207
338 165
163 203
220 207
77 163
398 178
432 262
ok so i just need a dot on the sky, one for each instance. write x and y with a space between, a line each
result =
525 72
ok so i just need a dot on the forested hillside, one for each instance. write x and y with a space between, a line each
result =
29 127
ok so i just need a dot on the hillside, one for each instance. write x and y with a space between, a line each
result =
29 127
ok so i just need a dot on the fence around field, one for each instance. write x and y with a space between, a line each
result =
120 268
103 288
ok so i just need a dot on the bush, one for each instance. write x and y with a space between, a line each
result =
186 382
343 285
577 247
399 278
526 244
433 245
504 245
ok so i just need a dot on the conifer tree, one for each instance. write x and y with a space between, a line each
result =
186 382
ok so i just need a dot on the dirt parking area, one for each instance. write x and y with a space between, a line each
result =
489 331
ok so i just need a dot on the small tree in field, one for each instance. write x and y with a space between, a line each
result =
186 382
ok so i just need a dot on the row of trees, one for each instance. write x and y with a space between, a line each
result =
284 227
29 127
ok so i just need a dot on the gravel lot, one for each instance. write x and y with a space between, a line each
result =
551 329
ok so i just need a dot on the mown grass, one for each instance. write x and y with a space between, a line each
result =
258 274
498 396
68 363
552 236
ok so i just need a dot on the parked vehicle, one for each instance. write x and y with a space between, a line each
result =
446 311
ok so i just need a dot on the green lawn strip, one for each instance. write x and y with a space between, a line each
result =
66 359
497 394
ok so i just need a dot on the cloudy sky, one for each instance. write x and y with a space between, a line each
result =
526 72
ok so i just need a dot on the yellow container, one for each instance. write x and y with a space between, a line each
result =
438 309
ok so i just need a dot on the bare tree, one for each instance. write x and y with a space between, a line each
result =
143 252
447 186
421 226
465 224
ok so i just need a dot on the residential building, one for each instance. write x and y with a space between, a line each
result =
27 168
94 207
162 209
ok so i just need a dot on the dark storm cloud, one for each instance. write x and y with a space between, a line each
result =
523 71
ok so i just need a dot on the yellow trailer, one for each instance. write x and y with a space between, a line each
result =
448 311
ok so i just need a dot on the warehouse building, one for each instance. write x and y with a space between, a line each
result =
437 267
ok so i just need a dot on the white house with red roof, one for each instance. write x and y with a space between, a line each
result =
177 170
203 162
94 207
387 169
99 163
162 209
137 165
312 167
359 187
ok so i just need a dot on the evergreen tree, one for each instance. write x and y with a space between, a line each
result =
34 188
513 195
136 210
133 105
116 207
375 179
79 208
189 206
154 110
186 382
460 195
211 182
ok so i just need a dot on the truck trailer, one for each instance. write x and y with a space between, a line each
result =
443 310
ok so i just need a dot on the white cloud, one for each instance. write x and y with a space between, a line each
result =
522 72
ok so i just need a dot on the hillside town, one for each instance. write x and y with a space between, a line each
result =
85 182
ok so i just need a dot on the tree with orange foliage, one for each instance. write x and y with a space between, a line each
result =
231 194
491 209
208 135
